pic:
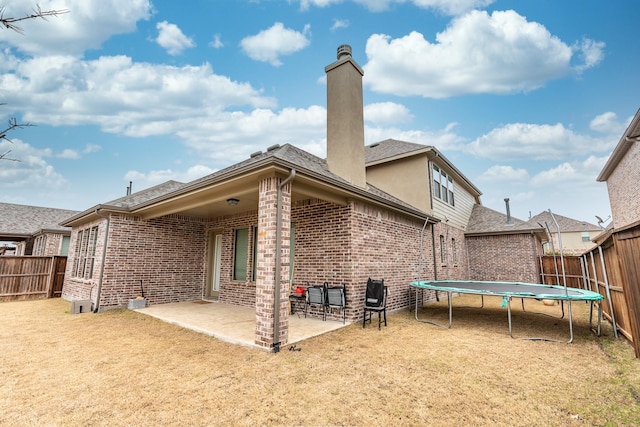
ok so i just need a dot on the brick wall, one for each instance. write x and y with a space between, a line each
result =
162 258
348 244
75 288
624 186
511 257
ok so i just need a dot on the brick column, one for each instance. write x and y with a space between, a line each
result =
266 260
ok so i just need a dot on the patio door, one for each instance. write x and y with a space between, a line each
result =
214 265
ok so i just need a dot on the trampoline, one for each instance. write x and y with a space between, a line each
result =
510 290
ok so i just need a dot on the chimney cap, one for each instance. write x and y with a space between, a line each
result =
344 50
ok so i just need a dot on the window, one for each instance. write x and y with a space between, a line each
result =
241 254
443 250
85 253
585 236
436 182
454 257
443 188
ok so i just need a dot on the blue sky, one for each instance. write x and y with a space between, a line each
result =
526 98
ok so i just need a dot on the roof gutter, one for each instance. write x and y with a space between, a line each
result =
104 254
278 273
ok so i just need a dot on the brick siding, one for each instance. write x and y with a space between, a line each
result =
624 186
511 257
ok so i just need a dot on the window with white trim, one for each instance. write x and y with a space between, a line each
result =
85 253
443 187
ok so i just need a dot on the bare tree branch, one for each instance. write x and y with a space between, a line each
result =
36 12
13 124
3 156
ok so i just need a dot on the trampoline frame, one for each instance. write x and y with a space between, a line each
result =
508 291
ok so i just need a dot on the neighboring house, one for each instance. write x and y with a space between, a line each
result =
503 248
35 230
622 175
247 234
576 236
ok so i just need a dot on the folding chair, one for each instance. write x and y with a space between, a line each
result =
337 298
316 295
375 301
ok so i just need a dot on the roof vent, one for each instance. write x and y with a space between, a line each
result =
375 144
344 50
256 154
273 147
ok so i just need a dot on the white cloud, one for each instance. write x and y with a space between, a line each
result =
155 177
607 123
340 23
120 96
447 7
501 173
31 171
478 53
69 154
387 113
590 51
535 142
171 38
570 176
270 44
216 43
87 25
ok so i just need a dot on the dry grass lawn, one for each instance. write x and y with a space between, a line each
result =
125 368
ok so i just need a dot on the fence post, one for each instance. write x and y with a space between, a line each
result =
51 278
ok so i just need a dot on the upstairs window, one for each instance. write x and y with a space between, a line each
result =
585 236
443 187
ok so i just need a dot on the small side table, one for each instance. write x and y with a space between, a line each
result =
297 302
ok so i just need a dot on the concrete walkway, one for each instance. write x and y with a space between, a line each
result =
232 323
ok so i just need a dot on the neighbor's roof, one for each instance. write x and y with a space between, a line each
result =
393 149
22 221
485 221
566 224
286 155
631 135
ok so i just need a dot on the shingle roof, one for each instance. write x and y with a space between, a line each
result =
390 148
566 224
294 157
146 195
487 221
28 220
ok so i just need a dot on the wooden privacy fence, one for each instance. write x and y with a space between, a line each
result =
31 277
612 269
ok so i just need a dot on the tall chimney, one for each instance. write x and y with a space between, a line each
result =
506 202
345 118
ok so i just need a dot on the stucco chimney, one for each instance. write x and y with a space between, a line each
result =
345 118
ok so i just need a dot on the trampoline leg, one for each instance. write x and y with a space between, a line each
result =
429 321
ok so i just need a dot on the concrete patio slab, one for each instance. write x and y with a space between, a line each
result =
232 323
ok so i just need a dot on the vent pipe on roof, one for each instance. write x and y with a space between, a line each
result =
506 202
129 188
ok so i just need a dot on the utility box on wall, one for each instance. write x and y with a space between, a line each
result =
80 306
137 303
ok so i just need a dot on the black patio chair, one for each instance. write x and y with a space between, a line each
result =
375 301
337 298
316 296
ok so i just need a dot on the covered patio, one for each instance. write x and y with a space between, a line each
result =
232 323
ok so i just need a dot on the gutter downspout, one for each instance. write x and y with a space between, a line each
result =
104 254
276 299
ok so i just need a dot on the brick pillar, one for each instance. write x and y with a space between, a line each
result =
266 268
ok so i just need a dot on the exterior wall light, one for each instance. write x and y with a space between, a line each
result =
232 202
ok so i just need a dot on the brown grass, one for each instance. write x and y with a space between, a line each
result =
125 368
